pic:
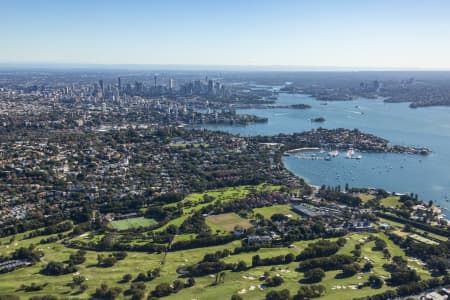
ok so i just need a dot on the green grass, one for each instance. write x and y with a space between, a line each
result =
226 222
365 197
194 201
132 223
268 211
237 281
234 281
226 194
391 201
422 239
398 225
57 285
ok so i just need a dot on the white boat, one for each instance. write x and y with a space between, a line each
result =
333 153
350 153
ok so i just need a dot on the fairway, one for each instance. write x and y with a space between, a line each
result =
227 222
365 197
391 201
132 223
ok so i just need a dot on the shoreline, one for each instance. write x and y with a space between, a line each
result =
302 149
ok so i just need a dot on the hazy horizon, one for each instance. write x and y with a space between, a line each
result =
209 67
354 35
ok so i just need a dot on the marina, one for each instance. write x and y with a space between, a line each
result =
391 171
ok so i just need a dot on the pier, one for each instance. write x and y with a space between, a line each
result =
312 157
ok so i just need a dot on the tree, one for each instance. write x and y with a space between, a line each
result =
77 258
241 266
141 277
120 255
274 281
404 276
380 244
78 280
126 278
106 261
289 258
138 295
162 290
407 228
438 264
190 282
172 229
357 252
255 260
314 275
278 295
368 266
178 285
309 291
57 268
103 292
375 281
350 269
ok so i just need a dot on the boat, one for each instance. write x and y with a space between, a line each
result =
333 153
350 153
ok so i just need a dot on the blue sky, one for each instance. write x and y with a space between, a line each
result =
352 33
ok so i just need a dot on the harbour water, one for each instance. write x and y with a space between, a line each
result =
428 176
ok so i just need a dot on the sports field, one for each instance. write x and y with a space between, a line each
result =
227 222
132 223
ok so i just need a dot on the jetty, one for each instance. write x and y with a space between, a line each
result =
303 149
311 157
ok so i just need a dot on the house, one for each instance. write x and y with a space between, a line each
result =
360 226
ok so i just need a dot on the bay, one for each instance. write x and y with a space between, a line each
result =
428 176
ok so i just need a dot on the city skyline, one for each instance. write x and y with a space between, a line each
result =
259 34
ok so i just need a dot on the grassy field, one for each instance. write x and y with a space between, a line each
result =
245 282
195 201
132 223
391 201
225 194
423 239
398 225
226 222
365 197
58 285
284 209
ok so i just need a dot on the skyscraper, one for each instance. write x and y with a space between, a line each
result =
210 87
119 84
